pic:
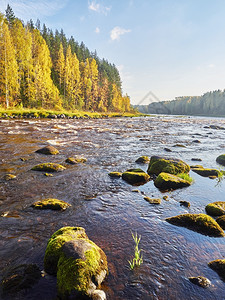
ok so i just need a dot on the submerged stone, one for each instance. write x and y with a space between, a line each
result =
185 203
115 174
201 223
216 208
135 176
80 264
20 277
166 181
53 204
48 150
218 265
75 160
221 159
200 281
49 167
143 160
160 164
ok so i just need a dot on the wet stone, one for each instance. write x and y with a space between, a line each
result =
48 150
200 281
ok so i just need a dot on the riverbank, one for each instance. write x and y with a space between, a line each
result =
61 114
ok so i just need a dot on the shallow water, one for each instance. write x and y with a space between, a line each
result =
108 208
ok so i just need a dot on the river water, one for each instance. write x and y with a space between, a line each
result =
109 209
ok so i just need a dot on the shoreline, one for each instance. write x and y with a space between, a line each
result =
62 114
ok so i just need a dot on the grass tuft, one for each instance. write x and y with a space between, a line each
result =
138 259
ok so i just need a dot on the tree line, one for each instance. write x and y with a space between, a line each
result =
42 69
209 104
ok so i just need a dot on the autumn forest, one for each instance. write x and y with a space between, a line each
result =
42 69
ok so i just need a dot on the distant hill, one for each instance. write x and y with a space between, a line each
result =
209 104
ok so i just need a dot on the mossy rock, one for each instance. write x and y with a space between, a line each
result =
221 221
160 164
143 160
8 177
81 268
166 181
201 223
206 172
221 159
200 281
80 265
75 160
135 176
53 204
49 167
20 277
115 174
218 265
48 150
53 250
216 208
153 200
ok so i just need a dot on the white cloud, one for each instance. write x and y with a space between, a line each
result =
97 30
211 66
117 31
33 9
97 7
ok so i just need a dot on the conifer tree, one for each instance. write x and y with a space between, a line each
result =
10 17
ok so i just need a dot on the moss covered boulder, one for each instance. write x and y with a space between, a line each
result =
48 150
50 203
160 164
205 172
221 221
221 159
153 200
21 277
75 160
216 208
143 160
166 181
79 263
49 167
218 265
201 223
115 174
135 176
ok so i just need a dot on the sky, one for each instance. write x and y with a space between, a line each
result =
171 48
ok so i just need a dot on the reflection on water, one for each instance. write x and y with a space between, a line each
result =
108 208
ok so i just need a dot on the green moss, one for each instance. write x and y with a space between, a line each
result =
49 167
218 265
143 160
221 159
221 221
75 160
135 176
115 174
55 243
167 165
53 204
216 208
166 181
185 176
198 222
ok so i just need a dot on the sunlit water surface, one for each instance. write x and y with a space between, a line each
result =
109 209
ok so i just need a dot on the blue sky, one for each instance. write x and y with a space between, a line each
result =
170 47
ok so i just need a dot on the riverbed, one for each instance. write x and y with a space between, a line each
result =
108 208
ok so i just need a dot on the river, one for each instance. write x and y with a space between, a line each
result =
109 209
